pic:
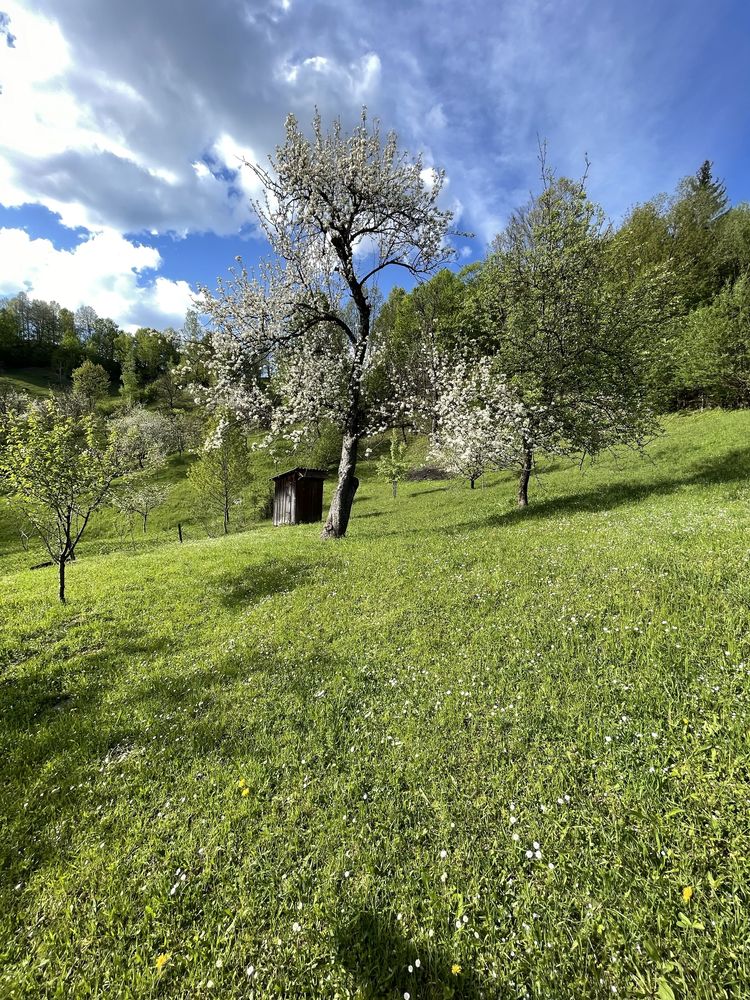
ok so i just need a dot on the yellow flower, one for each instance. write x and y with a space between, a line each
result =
241 783
455 968
246 790
162 960
687 893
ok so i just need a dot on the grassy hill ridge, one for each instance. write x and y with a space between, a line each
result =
467 751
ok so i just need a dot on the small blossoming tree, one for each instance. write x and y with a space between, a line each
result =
139 498
394 465
292 342
59 470
483 424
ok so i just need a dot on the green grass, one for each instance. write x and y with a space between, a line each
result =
34 381
391 702
39 381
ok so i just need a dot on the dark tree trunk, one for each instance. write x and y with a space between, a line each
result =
179 532
394 485
61 565
145 517
523 484
472 481
343 496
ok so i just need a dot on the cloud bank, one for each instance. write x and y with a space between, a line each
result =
129 119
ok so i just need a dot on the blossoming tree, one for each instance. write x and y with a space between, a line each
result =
568 319
482 423
292 341
58 470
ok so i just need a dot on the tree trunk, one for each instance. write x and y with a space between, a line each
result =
523 485
394 485
343 496
472 481
61 565
145 516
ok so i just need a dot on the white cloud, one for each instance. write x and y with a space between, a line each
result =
107 108
129 115
103 271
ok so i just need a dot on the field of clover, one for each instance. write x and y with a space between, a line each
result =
464 752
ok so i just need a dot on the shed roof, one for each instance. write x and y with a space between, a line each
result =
303 473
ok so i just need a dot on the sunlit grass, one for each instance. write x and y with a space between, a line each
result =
464 752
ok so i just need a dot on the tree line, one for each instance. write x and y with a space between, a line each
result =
39 334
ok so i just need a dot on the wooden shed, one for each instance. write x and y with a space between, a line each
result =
298 496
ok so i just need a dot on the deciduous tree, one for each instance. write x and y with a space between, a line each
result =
566 315
292 341
59 469
90 384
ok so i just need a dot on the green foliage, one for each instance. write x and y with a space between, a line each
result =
390 705
712 350
565 314
58 469
90 384
394 466
219 475
325 449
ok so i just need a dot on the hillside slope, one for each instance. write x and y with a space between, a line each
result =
467 751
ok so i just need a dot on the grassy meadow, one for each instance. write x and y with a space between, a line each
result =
465 752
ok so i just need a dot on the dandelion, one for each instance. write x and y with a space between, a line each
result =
241 783
296 927
455 968
162 960
687 893
245 791
250 971
443 854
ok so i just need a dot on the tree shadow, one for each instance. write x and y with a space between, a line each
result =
263 580
377 954
423 493
733 466
730 467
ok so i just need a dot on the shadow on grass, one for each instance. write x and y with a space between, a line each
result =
263 580
734 466
730 467
423 493
376 953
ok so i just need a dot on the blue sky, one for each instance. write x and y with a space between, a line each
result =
122 122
